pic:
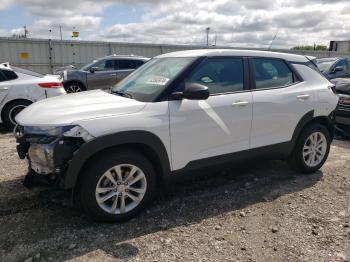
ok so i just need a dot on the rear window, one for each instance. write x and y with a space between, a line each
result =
26 72
10 75
271 73
127 64
139 63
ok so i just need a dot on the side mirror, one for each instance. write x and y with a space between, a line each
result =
338 69
192 91
93 69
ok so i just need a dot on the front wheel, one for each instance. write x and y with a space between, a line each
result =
116 186
311 150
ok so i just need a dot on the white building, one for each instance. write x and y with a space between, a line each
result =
340 46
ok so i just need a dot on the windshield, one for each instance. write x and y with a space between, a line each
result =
151 79
325 64
88 65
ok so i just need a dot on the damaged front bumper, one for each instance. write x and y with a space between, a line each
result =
49 151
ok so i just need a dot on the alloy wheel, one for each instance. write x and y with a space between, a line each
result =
121 189
315 148
73 89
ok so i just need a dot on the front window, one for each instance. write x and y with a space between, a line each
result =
88 65
104 65
150 80
343 64
220 75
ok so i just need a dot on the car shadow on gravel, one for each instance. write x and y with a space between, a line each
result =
61 232
3 129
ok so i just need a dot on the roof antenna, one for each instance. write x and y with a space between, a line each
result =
273 39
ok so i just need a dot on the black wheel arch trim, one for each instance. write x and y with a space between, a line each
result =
90 149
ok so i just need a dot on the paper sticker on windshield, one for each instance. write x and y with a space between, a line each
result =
159 81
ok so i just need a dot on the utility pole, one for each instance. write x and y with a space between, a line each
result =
60 32
207 30
25 31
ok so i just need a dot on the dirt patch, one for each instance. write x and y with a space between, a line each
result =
253 212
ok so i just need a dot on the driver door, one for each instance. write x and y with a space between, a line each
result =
220 125
104 76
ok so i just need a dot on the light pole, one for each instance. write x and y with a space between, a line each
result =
207 30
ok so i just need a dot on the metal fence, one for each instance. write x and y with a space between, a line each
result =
43 55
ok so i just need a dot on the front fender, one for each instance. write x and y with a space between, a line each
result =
90 149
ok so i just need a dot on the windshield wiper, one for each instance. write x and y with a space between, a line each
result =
124 94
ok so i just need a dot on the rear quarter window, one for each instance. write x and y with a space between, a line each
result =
2 77
10 75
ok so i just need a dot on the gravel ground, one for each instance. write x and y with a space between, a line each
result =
259 212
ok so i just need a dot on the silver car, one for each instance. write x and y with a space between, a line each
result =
101 73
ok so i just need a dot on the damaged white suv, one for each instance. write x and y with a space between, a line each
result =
178 113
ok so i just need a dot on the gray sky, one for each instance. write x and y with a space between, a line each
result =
251 23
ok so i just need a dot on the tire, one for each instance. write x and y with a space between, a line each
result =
305 158
74 87
95 176
11 110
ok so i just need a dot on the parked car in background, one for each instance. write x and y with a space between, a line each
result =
334 67
101 73
20 88
180 112
342 113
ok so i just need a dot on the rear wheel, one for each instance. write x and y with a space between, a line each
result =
116 186
74 87
12 110
311 150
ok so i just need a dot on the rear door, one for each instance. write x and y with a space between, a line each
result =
104 76
280 100
126 67
4 86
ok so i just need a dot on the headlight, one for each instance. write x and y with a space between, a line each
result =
57 131
46 130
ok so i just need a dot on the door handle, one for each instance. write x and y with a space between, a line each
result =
303 97
240 103
113 74
4 87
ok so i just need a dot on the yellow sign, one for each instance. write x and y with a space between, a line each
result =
24 55
75 34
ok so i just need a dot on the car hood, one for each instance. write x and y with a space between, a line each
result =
68 109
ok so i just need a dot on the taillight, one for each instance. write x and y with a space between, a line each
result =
51 85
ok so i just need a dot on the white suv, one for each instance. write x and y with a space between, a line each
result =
179 112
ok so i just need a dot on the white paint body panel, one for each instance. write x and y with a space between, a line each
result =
208 128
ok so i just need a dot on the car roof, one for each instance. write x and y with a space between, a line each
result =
134 57
235 52
329 59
